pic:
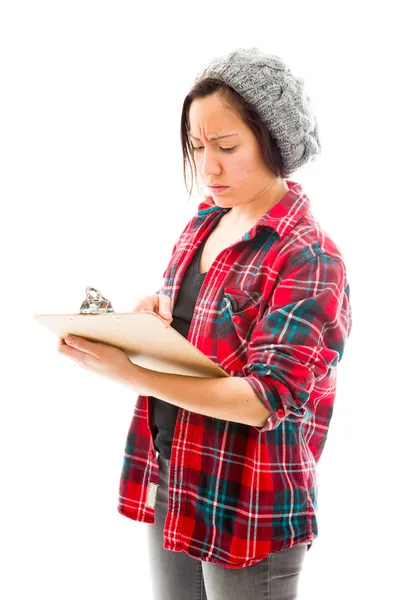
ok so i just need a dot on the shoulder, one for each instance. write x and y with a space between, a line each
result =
306 242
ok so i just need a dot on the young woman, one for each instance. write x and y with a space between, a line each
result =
223 470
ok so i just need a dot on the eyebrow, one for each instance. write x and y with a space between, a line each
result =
220 137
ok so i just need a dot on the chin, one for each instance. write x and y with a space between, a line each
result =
222 204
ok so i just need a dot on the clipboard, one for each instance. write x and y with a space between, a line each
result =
146 338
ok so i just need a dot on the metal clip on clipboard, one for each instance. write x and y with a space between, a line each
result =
95 303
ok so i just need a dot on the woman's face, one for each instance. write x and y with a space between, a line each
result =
234 161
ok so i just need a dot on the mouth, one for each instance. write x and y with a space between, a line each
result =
218 190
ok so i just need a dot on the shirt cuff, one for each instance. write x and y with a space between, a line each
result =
277 400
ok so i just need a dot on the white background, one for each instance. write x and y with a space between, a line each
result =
92 194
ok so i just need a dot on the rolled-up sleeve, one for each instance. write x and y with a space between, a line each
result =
301 335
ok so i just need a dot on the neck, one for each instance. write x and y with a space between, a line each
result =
251 213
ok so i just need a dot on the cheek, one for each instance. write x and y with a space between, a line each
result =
242 169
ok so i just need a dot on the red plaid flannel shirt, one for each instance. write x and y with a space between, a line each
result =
274 308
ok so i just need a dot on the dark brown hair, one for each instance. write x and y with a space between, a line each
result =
214 84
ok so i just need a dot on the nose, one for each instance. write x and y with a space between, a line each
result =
210 163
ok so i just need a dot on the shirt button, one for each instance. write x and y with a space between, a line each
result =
236 319
280 412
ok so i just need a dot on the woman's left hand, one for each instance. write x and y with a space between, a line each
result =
100 358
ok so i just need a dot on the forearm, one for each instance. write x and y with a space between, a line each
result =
228 398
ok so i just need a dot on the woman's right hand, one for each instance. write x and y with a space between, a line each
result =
158 303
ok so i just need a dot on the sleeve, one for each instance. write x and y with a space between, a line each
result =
161 288
300 336
175 247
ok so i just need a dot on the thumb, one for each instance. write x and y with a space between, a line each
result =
164 305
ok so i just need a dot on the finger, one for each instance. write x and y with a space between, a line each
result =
82 344
147 303
164 304
71 353
61 342
137 306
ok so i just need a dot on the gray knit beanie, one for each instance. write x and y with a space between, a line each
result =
266 82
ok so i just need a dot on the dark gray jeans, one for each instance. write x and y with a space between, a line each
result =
178 576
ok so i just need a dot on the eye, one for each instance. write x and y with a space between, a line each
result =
223 149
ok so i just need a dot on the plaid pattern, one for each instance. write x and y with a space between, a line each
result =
274 308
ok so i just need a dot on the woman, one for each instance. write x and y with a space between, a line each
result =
258 286
223 470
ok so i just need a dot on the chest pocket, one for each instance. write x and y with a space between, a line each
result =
238 315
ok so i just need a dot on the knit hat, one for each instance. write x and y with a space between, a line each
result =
266 82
